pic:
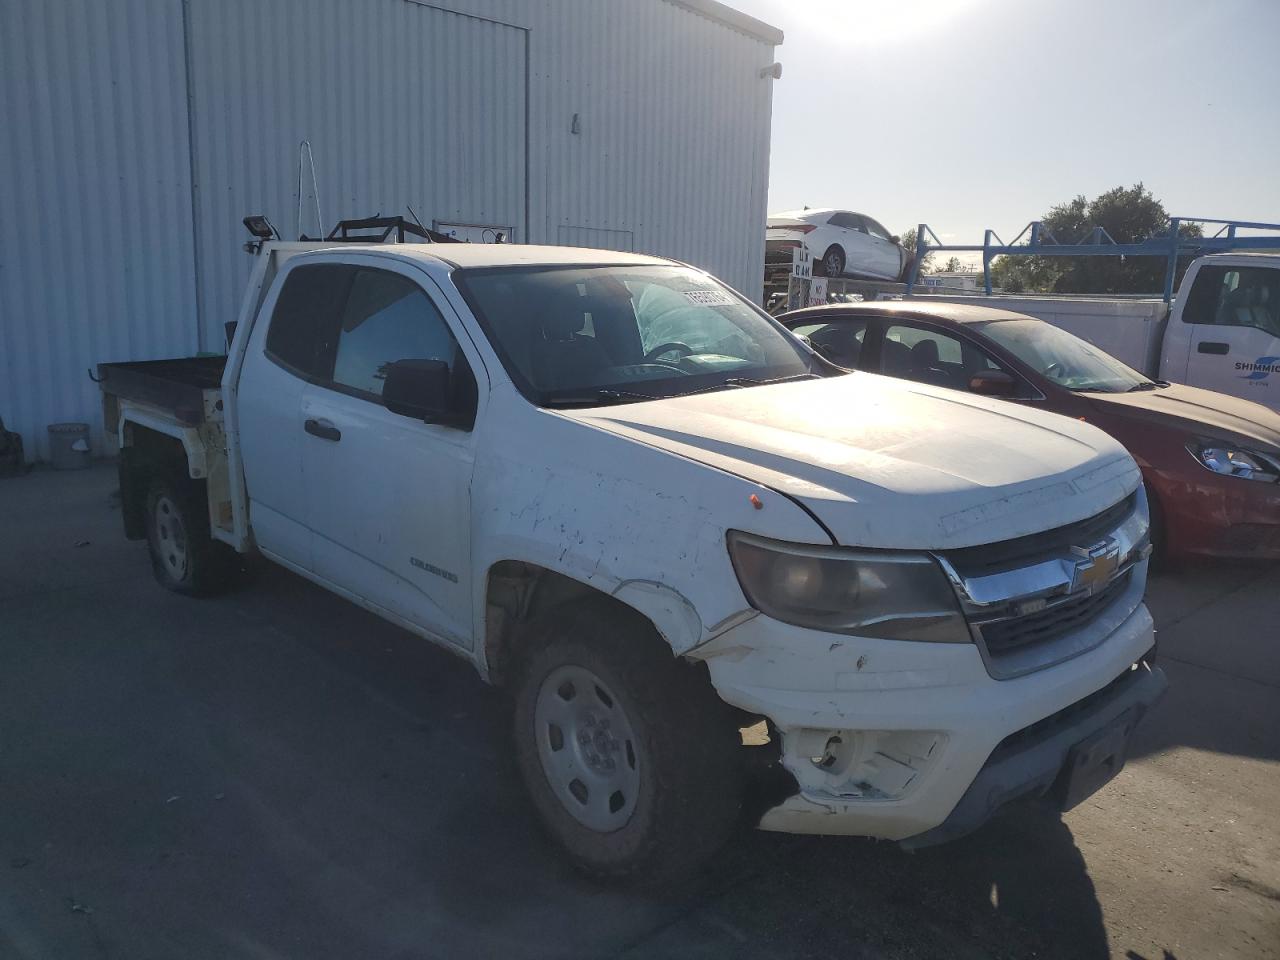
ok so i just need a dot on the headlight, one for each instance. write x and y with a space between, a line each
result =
1233 462
899 596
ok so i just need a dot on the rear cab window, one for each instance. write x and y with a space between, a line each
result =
304 324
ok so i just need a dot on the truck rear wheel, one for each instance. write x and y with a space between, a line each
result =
184 557
629 756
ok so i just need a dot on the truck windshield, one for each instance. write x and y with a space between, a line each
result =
584 336
1065 359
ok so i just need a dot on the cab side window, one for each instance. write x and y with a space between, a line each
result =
304 324
341 326
1235 297
387 318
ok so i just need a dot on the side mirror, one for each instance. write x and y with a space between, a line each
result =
993 383
896 239
419 389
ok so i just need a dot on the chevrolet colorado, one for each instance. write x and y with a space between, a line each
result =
721 579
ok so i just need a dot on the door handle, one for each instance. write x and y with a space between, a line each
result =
1211 346
323 429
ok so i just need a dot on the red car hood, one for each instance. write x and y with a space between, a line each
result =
1201 412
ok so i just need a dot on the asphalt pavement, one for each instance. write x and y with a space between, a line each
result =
277 774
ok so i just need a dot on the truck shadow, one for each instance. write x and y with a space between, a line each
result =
1222 663
1020 887
1017 888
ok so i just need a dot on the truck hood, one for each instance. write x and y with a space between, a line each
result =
1202 413
888 463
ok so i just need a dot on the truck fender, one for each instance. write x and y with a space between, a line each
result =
189 437
673 616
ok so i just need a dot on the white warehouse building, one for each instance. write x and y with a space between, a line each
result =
138 134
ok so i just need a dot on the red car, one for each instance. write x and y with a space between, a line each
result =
1211 462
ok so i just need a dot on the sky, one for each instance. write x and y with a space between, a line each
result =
975 114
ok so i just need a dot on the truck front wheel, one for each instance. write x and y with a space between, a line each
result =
629 756
184 557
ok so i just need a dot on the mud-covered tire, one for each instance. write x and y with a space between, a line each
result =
184 557
686 746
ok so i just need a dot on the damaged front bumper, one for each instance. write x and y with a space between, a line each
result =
898 740
1070 754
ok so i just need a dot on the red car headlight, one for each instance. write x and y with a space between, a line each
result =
1232 461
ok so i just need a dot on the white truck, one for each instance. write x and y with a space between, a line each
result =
1222 331
708 566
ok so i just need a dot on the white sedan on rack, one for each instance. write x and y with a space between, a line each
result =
842 243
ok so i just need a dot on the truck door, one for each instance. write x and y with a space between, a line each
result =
282 356
1229 327
388 496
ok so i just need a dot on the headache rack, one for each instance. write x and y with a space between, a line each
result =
382 230
364 230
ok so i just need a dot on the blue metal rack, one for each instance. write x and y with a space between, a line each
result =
1040 242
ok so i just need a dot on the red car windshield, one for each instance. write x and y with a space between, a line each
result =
1065 359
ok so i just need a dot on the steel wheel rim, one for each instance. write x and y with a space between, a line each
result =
171 538
588 749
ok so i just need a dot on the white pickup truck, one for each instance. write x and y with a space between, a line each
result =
1222 331
707 565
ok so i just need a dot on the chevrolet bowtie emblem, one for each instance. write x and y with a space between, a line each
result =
1095 565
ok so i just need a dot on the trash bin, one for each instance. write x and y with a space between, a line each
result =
69 445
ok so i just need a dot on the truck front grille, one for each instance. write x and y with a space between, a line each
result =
1030 601
1049 624
1008 554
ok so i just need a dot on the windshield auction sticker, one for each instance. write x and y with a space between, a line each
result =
709 298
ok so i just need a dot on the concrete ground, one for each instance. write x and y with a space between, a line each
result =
277 774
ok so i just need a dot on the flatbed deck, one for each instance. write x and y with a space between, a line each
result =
189 387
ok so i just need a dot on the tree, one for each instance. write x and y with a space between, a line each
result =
909 245
1127 214
953 265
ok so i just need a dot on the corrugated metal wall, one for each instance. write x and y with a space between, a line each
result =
462 108
674 121
597 237
402 104
96 257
